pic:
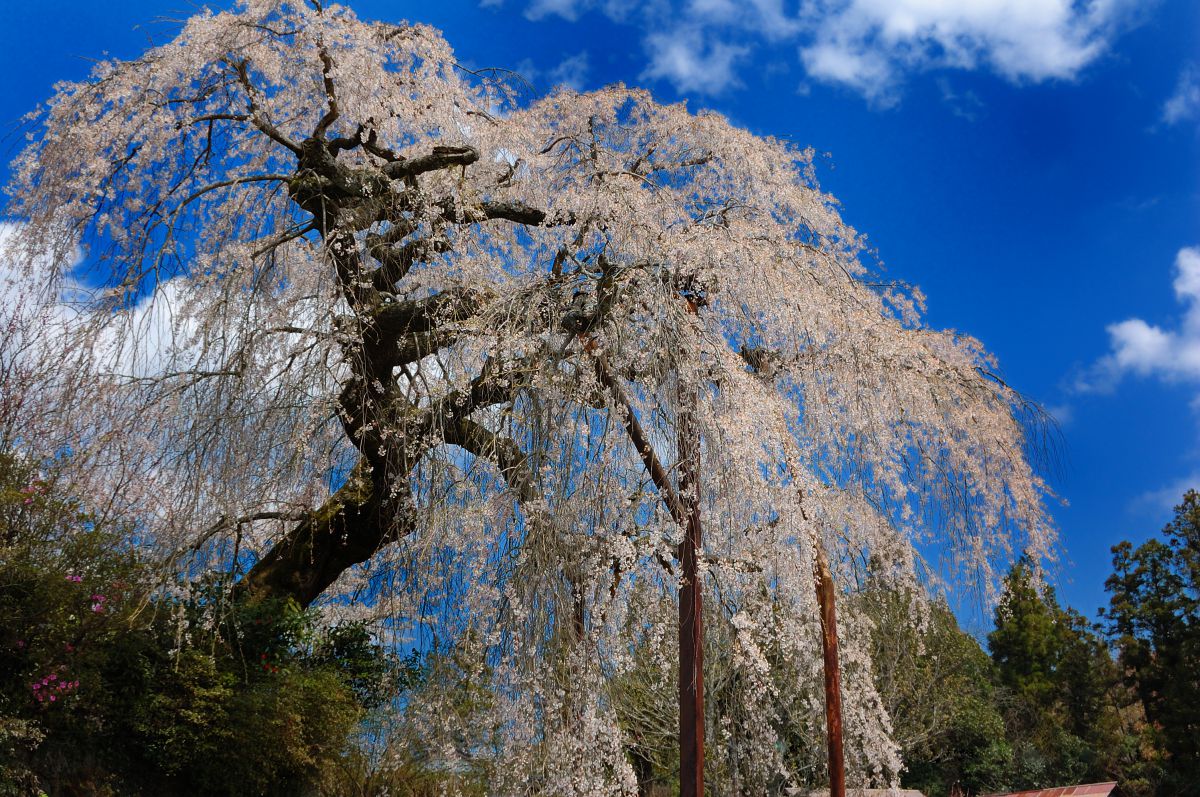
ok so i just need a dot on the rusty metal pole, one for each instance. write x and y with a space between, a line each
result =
833 678
691 619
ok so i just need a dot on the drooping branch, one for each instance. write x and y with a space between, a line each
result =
504 451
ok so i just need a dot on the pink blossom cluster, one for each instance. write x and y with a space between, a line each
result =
51 688
31 491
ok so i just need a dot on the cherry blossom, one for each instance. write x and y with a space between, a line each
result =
350 309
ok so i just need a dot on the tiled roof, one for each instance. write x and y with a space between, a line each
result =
1088 789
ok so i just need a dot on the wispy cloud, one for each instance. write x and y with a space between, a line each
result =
1170 352
1164 499
964 104
1184 104
568 9
870 46
571 72
618 10
1063 413
1144 349
764 17
692 64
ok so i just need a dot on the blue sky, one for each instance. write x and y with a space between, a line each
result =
1032 165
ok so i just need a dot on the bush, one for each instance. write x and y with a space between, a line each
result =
111 686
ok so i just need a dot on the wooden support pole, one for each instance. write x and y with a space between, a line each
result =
691 617
684 506
833 679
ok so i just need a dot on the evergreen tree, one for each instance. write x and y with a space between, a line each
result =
1026 644
1154 620
1060 689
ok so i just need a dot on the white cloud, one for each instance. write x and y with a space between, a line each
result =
42 300
765 17
1184 104
691 63
865 72
1145 349
571 10
871 46
1063 414
1168 352
567 9
38 294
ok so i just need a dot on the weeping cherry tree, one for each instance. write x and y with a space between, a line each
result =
329 311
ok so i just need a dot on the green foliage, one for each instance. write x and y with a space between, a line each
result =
110 686
447 707
1026 643
1154 621
1061 694
936 683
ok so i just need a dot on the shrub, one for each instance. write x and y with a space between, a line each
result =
111 686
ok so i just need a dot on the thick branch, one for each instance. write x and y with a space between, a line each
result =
347 530
440 158
506 209
333 113
422 315
504 451
394 262
359 519
414 347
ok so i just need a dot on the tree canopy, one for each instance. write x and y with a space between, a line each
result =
319 304
1154 620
